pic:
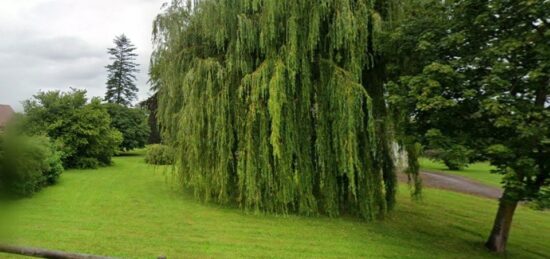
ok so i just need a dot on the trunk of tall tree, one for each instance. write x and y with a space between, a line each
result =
501 227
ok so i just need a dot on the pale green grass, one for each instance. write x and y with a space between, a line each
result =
480 171
128 210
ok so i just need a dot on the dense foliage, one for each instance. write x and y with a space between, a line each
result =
453 155
132 123
121 86
151 105
278 108
27 164
82 129
159 155
480 75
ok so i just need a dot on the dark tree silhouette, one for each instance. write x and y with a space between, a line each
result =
121 86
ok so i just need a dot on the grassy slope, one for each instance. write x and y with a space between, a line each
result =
128 210
477 171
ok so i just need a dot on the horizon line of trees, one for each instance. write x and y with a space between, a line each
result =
61 130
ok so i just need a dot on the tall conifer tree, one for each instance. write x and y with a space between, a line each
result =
277 104
121 86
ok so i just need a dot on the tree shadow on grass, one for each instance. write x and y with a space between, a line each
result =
129 154
449 231
441 229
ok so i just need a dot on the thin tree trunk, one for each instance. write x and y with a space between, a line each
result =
501 228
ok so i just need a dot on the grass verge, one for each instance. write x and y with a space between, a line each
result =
130 211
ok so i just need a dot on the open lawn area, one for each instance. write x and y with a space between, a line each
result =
129 210
480 171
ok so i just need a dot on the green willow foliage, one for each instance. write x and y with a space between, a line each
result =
266 104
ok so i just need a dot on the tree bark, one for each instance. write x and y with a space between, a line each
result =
501 227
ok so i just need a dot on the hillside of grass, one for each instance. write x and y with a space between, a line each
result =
480 171
131 210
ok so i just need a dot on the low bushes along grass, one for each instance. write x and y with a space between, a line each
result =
159 155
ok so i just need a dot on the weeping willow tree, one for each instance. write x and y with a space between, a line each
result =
277 105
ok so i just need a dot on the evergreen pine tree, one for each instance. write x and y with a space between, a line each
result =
121 86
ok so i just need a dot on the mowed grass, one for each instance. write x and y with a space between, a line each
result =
129 210
480 171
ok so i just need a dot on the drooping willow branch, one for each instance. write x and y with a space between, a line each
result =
268 105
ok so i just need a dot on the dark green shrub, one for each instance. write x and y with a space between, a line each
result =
27 165
52 175
159 155
455 156
132 123
81 129
151 105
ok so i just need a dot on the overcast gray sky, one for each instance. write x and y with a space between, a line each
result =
57 44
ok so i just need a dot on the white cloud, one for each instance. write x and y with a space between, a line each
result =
57 44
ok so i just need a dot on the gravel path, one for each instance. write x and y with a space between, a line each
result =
457 184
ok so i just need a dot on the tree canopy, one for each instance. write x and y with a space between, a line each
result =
479 77
82 129
274 109
121 86
132 123
151 105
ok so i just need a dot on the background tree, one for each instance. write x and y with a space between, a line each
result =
132 123
455 156
121 86
410 47
280 108
481 72
151 105
82 130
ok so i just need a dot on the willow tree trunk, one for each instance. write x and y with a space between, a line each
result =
501 228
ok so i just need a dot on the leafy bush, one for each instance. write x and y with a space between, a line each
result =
454 156
542 201
81 129
27 164
132 123
159 155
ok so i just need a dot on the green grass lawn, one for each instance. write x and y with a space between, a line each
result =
477 171
128 210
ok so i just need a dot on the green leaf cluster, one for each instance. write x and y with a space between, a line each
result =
132 123
27 164
81 129
159 155
480 78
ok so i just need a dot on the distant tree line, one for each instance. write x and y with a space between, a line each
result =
61 130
